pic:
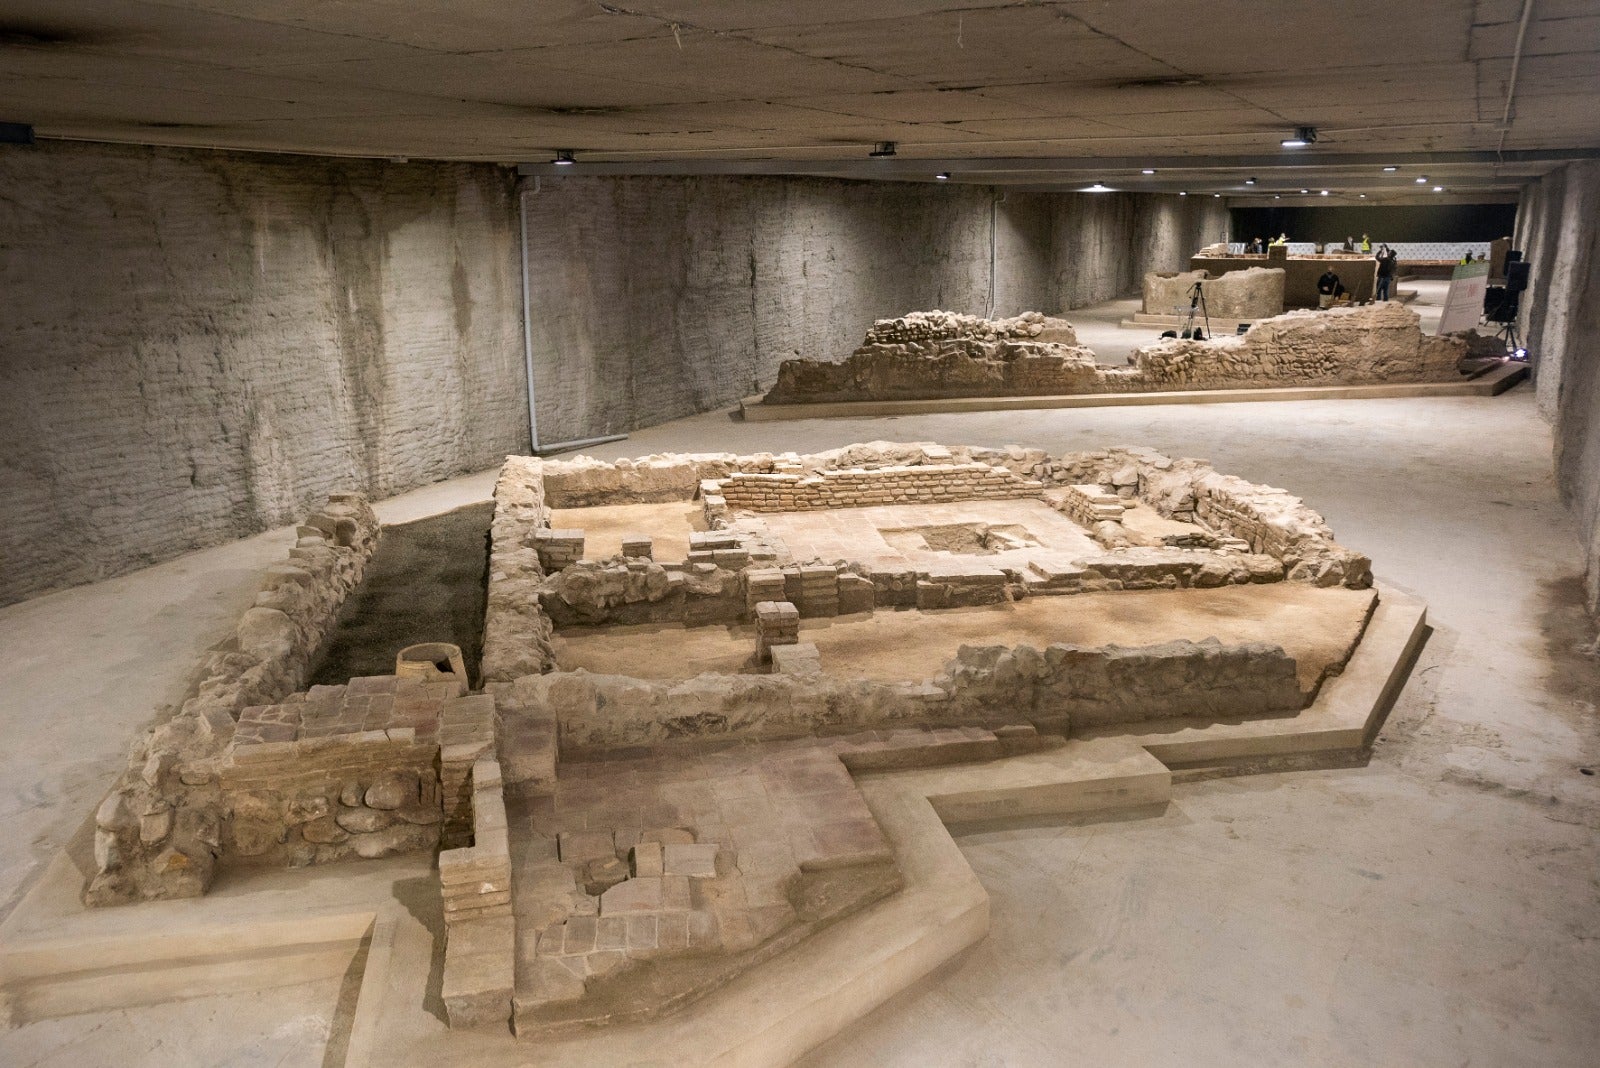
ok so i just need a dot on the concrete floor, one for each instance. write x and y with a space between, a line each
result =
1438 907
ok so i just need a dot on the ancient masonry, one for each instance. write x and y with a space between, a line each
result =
927 355
612 847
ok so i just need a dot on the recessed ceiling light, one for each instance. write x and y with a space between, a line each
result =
1363 196
1422 179
1148 170
1098 187
1438 189
1217 195
1249 181
1323 193
1390 169
564 158
1305 191
1277 196
1184 193
943 176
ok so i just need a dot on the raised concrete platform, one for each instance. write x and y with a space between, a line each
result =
259 930
1490 383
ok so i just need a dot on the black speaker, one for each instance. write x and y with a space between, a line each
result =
1513 255
1517 276
1499 305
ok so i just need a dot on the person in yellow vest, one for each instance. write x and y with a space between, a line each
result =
1281 239
1366 243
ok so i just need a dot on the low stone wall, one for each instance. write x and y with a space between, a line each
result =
1253 293
1342 346
159 832
860 487
636 590
369 795
1060 688
1358 272
516 632
480 932
1266 519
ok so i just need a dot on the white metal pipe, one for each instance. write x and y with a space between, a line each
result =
527 316
579 443
1516 63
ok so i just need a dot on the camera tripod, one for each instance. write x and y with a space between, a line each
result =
1512 340
1197 305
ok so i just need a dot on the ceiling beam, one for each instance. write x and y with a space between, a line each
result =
905 166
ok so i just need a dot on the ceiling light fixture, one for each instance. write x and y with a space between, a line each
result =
1422 179
1184 193
1363 196
1217 195
1304 191
1277 196
1390 169
943 176
1438 189
1148 170
882 149
1303 136
564 158
1098 187
1323 193
1249 181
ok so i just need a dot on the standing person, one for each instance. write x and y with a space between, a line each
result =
1256 246
1349 243
1366 243
1328 288
1281 239
1387 262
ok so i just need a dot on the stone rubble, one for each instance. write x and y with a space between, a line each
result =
161 829
1364 344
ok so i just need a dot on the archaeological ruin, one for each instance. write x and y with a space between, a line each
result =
640 535
943 355
704 675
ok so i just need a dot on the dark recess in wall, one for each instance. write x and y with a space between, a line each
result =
1413 222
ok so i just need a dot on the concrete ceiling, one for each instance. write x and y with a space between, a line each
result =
1033 94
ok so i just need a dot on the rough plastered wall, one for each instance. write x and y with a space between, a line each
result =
655 298
199 345
1558 227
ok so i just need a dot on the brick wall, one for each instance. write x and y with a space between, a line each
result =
858 487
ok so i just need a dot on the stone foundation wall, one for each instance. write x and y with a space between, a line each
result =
1341 346
309 802
857 488
1253 293
480 932
159 831
1269 520
516 632
1062 688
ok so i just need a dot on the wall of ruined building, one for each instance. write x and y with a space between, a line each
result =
1062 687
654 298
1340 346
159 832
201 345
516 632
1253 293
1560 313
864 487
